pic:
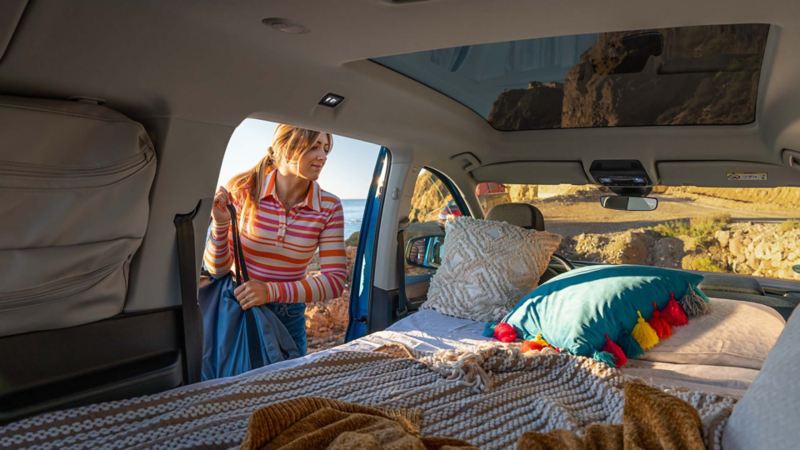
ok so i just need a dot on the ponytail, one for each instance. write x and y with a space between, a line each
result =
246 187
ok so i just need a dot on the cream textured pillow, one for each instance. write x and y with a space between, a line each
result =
487 267
733 333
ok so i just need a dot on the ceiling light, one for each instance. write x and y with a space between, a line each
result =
331 100
285 25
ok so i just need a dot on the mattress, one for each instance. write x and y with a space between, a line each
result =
429 331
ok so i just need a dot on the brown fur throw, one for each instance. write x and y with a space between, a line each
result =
652 419
314 422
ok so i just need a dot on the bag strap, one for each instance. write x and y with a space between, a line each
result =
252 329
238 255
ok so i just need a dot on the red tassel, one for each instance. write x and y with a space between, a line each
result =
619 356
662 327
504 332
673 313
528 346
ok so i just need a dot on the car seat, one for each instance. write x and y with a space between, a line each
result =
529 217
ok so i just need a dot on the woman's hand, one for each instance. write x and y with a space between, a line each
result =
220 212
251 293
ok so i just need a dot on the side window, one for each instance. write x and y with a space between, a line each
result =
432 205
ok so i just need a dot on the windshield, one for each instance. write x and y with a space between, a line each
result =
748 231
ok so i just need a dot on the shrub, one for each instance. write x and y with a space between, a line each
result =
673 229
701 263
701 229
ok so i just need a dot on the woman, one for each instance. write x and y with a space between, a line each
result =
284 217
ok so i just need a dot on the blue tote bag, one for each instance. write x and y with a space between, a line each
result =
234 340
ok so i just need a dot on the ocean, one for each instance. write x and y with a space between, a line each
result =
353 214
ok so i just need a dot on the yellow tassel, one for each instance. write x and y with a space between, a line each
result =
644 334
540 340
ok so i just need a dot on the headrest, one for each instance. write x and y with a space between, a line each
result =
520 214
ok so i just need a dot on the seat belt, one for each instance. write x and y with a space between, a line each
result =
402 300
192 319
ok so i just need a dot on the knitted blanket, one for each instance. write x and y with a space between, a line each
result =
488 397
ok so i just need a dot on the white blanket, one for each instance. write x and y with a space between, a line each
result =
428 331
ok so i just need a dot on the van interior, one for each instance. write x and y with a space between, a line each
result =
115 116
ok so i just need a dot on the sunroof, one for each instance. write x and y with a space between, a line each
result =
702 75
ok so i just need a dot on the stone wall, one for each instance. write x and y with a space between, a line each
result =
763 250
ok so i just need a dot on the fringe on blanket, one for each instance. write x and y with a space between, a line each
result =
474 367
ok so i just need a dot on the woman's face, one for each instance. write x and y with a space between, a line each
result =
310 164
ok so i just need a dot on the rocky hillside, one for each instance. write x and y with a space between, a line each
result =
429 197
691 75
711 245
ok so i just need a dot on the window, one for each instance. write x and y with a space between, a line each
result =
700 75
432 206
747 231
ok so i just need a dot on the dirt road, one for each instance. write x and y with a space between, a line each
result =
571 215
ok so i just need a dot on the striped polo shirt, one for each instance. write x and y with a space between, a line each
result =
279 246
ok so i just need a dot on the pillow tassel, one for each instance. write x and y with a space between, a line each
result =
540 340
615 350
504 332
700 292
529 346
644 334
673 313
605 357
629 345
662 327
692 303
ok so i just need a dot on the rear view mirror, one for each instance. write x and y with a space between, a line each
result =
624 203
423 251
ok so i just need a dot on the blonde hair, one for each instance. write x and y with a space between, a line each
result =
288 144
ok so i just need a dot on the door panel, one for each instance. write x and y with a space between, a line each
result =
363 268
115 358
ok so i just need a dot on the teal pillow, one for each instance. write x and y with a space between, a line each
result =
577 309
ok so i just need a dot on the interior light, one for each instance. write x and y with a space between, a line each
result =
331 100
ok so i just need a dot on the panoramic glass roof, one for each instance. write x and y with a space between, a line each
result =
702 75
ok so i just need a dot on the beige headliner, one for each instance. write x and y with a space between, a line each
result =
214 62
192 70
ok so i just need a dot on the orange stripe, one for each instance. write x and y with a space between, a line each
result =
306 289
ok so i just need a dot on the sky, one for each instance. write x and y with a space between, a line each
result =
347 173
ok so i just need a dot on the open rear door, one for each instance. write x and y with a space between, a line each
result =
363 266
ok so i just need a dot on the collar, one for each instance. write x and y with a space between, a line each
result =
313 198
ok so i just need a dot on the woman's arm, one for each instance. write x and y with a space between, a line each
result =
218 255
329 283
